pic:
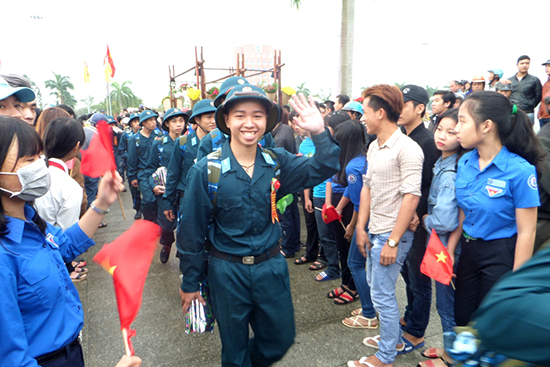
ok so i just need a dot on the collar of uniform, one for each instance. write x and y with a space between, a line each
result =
500 161
16 226
392 139
59 161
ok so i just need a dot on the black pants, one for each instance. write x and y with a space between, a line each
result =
74 358
482 264
136 197
312 241
341 243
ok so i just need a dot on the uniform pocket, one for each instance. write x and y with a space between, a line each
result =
42 280
229 211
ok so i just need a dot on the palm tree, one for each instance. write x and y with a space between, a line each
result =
123 95
60 89
346 43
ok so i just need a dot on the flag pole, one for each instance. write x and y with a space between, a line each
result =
126 346
121 206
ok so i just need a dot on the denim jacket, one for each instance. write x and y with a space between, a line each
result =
442 204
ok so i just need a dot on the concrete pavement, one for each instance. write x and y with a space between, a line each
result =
321 338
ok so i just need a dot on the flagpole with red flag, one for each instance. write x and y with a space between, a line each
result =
128 259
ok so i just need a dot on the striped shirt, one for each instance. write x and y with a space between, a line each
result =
395 169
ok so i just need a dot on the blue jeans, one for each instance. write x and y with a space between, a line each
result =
445 299
327 240
357 265
531 116
382 279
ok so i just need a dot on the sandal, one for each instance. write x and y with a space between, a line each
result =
317 265
357 312
324 276
409 346
335 293
80 270
376 339
353 322
302 260
433 353
435 363
361 362
102 225
346 297
287 256
80 277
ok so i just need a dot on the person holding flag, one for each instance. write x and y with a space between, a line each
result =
442 217
247 275
41 314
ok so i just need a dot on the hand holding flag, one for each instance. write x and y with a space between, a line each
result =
128 259
330 215
437 263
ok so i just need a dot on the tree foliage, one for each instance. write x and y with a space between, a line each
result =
60 87
122 96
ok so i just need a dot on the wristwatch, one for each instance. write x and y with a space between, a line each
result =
97 210
392 243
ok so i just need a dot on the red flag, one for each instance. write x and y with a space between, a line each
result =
330 214
128 259
99 157
108 59
437 263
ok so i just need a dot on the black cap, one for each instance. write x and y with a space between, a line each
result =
415 93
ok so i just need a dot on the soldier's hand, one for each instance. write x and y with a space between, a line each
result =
135 183
169 215
187 298
311 119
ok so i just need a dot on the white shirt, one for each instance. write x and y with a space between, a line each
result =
61 205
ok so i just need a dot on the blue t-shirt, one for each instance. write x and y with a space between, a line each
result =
308 150
489 197
355 170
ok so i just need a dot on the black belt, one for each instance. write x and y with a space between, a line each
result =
61 352
247 260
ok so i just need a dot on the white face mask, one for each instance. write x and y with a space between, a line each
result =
34 179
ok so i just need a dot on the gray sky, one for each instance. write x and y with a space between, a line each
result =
421 42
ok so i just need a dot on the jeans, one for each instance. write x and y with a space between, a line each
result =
445 298
290 228
382 279
419 287
327 240
531 116
90 185
357 265
542 122
312 240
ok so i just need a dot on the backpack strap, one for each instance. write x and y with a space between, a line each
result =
214 166
183 143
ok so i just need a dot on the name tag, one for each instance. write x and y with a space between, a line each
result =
497 183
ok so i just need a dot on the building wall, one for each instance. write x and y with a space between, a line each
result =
257 58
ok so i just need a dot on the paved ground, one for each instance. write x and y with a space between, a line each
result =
321 338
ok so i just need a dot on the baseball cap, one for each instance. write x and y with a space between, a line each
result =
24 94
547 62
413 92
244 92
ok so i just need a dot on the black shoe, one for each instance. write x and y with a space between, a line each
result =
164 254
138 214
124 189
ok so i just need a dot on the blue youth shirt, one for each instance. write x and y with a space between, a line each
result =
307 148
489 197
355 170
40 310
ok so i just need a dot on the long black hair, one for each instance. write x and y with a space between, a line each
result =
514 128
352 136
61 136
29 144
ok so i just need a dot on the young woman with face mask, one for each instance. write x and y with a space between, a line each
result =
40 312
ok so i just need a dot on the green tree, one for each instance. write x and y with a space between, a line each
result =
36 90
303 89
122 96
60 87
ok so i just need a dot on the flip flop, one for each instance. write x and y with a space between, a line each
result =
362 361
102 225
355 324
432 353
430 363
409 347
80 263
81 270
325 276
376 339
79 278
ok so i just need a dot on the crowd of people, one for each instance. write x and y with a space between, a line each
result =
213 177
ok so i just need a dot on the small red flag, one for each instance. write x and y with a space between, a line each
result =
128 259
330 214
99 157
437 263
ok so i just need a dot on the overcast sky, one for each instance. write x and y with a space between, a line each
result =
423 42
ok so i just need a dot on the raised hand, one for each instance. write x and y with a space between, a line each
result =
311 119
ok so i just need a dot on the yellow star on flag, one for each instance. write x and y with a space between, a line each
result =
441 257
112 269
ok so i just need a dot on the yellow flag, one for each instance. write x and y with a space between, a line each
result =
86 73
108 71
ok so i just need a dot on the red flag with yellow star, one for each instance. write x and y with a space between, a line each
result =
437 263
330 214
128 259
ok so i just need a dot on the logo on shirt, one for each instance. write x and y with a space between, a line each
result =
497 183
352 178
492 191
532 182
49 238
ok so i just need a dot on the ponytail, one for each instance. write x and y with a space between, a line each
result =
514 127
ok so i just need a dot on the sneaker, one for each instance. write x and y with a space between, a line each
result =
137 215
165 254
